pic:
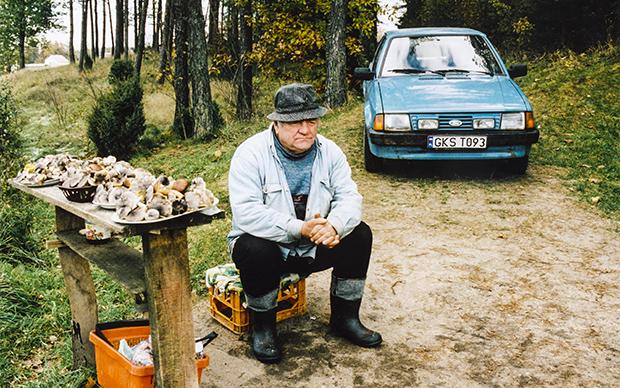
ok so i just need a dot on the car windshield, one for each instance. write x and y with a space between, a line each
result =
439 55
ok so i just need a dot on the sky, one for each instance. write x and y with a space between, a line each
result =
62 36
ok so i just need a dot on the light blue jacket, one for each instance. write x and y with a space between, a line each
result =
261 202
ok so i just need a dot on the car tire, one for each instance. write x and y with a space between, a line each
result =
371 162
517 166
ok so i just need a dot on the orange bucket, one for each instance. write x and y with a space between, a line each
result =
115 370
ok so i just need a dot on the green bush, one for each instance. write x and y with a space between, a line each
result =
121 70
17 245
88 62
117 121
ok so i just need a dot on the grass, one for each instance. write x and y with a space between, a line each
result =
577 105
575 99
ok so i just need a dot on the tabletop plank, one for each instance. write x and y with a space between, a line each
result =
96 215
87 211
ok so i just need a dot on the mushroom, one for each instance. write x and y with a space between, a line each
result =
101 195
137 214
162 204
151 214
180 185
193 200
115 196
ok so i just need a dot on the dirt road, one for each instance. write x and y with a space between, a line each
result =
474 282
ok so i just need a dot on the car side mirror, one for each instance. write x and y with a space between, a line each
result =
517 70
363 73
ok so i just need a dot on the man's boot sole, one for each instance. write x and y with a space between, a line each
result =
268 360
374 344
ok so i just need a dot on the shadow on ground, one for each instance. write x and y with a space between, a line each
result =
453 170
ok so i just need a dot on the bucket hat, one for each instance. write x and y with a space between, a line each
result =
295 102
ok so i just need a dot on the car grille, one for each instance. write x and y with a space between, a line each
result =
466 121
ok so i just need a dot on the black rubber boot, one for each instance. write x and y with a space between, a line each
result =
264 336
345 322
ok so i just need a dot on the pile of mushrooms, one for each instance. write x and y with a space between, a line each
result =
96 171
135 192
45 169
162 197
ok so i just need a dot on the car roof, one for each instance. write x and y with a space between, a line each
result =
433 31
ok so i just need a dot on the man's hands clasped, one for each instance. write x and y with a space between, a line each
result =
320 232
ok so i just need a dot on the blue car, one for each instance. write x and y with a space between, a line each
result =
444 94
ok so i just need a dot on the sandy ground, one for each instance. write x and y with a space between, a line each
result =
474 282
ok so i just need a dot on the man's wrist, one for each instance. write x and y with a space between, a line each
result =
294 228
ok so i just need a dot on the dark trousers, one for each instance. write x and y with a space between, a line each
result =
260 261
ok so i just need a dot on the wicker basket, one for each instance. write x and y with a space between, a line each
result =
79 194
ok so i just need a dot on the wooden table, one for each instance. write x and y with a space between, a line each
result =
160 274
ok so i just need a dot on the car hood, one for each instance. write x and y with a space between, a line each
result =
436 94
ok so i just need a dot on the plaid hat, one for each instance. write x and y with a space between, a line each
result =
296 102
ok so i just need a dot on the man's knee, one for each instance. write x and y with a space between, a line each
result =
363 232
360 237
250 251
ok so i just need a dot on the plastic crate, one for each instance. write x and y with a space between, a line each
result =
115 370
227 308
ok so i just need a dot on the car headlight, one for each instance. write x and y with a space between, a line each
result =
397 122
392 122
484 123
513 120
428 124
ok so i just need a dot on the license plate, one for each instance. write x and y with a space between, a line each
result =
455 142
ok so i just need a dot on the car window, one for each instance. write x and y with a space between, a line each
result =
439 53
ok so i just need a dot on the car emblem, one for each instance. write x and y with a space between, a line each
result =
455 123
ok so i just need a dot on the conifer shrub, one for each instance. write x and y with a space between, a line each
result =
117 120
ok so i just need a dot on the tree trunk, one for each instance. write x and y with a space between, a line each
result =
71 48
93 47
202 105
214 15
156 18
136 23
126 27
111 27
144 6
22 49
83 42
96 54
233 32
244 76
159 23
182 118
118 47
164 55
103 32
336 89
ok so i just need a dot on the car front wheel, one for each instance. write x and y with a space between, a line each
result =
371 162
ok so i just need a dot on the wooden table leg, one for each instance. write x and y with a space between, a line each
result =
166 266
81 291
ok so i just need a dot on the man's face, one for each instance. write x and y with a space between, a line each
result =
297 136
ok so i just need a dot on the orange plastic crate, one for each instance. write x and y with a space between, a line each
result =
226 308
115 370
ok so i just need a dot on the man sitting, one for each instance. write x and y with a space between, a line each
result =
296 209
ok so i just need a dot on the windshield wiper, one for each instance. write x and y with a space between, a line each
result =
444 71
414 71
